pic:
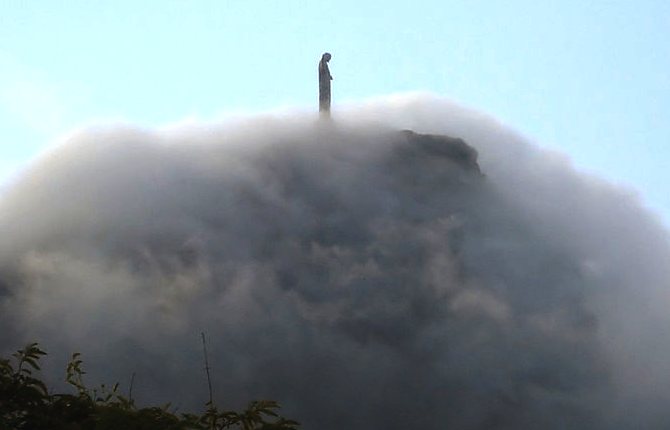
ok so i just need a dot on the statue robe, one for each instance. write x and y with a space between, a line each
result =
324 86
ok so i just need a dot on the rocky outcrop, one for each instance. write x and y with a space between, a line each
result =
435 145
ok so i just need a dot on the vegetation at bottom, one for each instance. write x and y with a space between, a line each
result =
26 404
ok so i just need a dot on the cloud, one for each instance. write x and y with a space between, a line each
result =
34 110
362 276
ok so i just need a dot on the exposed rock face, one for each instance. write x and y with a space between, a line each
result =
431 145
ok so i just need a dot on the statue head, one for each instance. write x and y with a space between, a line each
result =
326 57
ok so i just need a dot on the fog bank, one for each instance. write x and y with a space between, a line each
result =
362 277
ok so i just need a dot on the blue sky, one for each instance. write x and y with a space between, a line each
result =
589 78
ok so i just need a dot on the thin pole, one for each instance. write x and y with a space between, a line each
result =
130 390
209 379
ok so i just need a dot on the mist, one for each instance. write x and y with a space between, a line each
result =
362 276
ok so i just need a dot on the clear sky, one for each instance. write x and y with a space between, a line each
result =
589 78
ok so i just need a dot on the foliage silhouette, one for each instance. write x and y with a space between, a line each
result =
26 404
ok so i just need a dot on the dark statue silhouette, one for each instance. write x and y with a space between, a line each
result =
324 84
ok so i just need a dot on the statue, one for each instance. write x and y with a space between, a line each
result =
324 84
